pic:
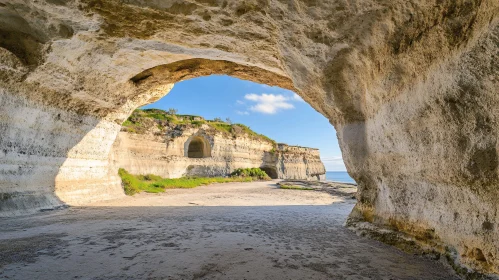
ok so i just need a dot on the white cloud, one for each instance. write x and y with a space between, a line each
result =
269 103
244 113
239 102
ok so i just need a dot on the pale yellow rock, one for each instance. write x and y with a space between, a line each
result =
168 157
410 86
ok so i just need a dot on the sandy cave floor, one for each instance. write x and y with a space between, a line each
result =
224 231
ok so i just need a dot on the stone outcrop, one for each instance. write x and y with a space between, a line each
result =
410 86
152 146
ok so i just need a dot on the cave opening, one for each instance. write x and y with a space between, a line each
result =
198 147
271 171
67 83
234 125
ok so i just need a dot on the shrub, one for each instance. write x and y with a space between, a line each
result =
250 172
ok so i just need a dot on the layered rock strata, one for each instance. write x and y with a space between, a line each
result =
410 86
165 151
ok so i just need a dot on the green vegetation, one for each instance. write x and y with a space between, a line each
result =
127 123
142 119
155 184
131 184
294 187
250 172
197 123
221 126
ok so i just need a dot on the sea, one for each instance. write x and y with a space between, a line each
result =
339 176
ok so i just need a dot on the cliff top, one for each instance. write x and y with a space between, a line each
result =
141 120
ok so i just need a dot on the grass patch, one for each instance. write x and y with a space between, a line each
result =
222 127
150 183
131 184
294 187
197 123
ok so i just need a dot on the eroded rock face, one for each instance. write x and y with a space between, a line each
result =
411 87
166 156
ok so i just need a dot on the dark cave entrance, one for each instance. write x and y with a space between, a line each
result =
198 148
271 171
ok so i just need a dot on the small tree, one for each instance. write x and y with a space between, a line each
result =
172 111
218 119
229 121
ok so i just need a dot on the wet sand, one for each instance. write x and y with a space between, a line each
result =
223 231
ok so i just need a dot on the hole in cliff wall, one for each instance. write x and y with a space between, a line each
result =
198 147
271 171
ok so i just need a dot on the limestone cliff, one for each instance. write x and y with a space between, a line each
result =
172 146
410 86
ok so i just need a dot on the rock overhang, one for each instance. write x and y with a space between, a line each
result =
388 74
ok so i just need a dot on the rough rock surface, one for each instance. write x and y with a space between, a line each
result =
410 86
166 156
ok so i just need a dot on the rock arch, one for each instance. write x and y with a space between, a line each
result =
197 147
389 75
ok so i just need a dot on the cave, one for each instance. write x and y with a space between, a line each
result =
198 147
271 171
411 92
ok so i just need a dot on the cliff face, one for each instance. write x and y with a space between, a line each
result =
410 86
297 163
162 148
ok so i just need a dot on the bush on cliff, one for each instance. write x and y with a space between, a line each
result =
250 172
142 119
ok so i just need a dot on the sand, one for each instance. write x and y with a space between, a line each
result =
222 231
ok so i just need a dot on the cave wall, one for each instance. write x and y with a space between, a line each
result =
436 162
410 86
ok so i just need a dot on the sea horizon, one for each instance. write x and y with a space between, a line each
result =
339 176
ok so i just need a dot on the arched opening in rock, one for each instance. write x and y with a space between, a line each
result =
193 108
389 82
198 147
271 171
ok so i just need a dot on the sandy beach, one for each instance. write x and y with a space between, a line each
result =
222 231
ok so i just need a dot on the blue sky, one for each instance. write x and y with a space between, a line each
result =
278 113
